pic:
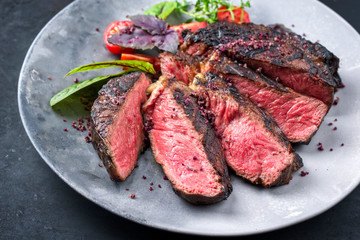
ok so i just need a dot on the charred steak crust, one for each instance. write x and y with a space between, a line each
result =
274 51
210 142
214 82
187 102
111 98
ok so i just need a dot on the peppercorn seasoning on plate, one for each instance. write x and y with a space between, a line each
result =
71 39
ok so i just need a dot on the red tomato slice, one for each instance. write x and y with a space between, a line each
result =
114 27
226 15
142 57
192 26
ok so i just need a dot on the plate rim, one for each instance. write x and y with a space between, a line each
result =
175 229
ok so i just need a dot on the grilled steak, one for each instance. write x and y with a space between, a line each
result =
254 146
185 145
117 124
297 115
306 67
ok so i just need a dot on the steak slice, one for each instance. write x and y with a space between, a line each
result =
254 146
297 115
171 67
308 68
185 145
117 124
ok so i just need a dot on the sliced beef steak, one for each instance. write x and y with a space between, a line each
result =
117 124
306 67
254 146
297 115
185 145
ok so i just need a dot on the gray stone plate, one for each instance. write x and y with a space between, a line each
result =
70 39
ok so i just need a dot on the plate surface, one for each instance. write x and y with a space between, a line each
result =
70 39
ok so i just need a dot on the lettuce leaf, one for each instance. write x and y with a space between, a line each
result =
162 10
146 33
65 93
133 64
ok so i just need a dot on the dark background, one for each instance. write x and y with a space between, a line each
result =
36 204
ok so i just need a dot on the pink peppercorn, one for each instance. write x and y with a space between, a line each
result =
76 80
303 174
65 129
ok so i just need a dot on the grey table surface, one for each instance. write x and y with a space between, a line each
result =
36 204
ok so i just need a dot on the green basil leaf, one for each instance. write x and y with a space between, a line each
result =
199 19
81 85
162 10
134 64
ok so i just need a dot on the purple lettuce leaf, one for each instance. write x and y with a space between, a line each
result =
138 39
146 35
169 42
150 24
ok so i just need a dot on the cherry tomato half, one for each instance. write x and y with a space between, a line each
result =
114 27
226 15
